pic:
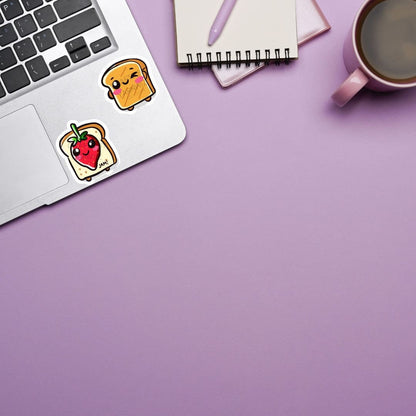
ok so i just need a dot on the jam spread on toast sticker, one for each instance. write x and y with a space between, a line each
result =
87 150
128 83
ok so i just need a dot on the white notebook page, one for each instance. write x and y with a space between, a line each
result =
265 26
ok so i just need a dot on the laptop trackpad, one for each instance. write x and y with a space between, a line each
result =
29 166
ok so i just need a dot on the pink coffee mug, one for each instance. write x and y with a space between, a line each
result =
361 75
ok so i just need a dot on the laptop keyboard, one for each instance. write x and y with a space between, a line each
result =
40 38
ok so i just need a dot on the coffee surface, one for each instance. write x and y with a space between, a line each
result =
386 39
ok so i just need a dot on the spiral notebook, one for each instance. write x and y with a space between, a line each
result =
257 31
311 22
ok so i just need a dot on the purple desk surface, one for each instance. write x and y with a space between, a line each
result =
265 267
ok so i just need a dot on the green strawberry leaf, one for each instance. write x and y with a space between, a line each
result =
78 137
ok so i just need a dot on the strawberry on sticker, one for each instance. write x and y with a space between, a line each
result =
87 150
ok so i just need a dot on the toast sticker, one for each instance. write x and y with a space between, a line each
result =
128 83
87 150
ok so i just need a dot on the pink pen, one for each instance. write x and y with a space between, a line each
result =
220 20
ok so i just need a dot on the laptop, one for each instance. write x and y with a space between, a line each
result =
81 99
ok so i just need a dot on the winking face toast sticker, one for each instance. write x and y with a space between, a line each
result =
87 150
128 83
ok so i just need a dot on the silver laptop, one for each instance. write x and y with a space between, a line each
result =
81 99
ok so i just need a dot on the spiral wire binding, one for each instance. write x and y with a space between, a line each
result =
238 56
287 56
228 59
199 59
248 59
267 61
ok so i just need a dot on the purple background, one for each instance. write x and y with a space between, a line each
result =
266 266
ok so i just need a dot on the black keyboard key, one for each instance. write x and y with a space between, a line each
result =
65 8
76 25
80 54
75 44
44 40
24 49
45 16
31 4
11 9
14 79
1 19
2 92
37 68
7 58
7 34
25 25
59 64
100 44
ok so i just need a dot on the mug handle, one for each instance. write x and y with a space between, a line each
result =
350 87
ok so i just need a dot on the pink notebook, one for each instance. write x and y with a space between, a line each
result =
310 23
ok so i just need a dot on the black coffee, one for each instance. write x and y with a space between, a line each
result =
386 39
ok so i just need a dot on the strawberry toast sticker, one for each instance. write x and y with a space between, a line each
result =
128 83
87 150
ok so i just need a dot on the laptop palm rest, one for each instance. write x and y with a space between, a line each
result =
29 166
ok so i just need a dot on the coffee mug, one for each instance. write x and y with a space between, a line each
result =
380 49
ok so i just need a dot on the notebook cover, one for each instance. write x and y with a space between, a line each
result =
311 22
255 31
